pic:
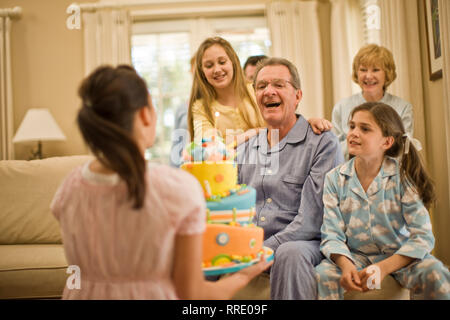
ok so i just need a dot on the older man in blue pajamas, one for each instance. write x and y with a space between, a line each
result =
286 164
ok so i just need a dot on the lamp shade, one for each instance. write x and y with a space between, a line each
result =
38 125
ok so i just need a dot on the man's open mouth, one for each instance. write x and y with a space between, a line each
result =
273 104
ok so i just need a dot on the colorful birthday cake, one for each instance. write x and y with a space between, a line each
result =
230 236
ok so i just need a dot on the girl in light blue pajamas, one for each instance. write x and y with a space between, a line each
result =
375 212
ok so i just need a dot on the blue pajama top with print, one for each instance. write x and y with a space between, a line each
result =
388 219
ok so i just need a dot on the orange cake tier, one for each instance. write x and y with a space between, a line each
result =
223 244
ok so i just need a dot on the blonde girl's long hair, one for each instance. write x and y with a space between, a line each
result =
202 89
412 170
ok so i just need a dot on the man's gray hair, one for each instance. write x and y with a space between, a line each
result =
295 78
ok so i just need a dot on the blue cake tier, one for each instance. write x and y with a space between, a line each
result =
244 199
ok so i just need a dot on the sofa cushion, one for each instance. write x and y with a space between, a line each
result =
32 271
259 289
26 191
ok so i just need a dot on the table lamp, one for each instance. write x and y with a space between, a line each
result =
38 125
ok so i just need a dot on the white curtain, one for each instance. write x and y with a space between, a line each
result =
371 15
321 39
200 29
346 39
6 101
107 38
400 34
444 24
295 33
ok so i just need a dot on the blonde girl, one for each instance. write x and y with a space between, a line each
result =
222 101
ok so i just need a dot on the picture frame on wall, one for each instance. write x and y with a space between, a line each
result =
433 39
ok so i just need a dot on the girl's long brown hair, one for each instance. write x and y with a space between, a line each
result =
201 89
412 170
110 98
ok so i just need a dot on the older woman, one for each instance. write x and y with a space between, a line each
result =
374 71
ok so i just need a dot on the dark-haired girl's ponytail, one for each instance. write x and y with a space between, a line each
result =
111 97
116 150
413 170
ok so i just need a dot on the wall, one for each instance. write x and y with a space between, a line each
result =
47 65
436 146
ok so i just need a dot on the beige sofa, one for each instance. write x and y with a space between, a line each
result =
32 261
259 289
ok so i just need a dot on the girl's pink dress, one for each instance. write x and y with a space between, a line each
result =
124 253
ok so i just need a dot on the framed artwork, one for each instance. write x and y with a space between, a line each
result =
433 39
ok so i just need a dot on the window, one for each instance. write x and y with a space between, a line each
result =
249 36
163 61
161 53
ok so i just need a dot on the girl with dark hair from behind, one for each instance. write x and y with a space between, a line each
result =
375 212
135 231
